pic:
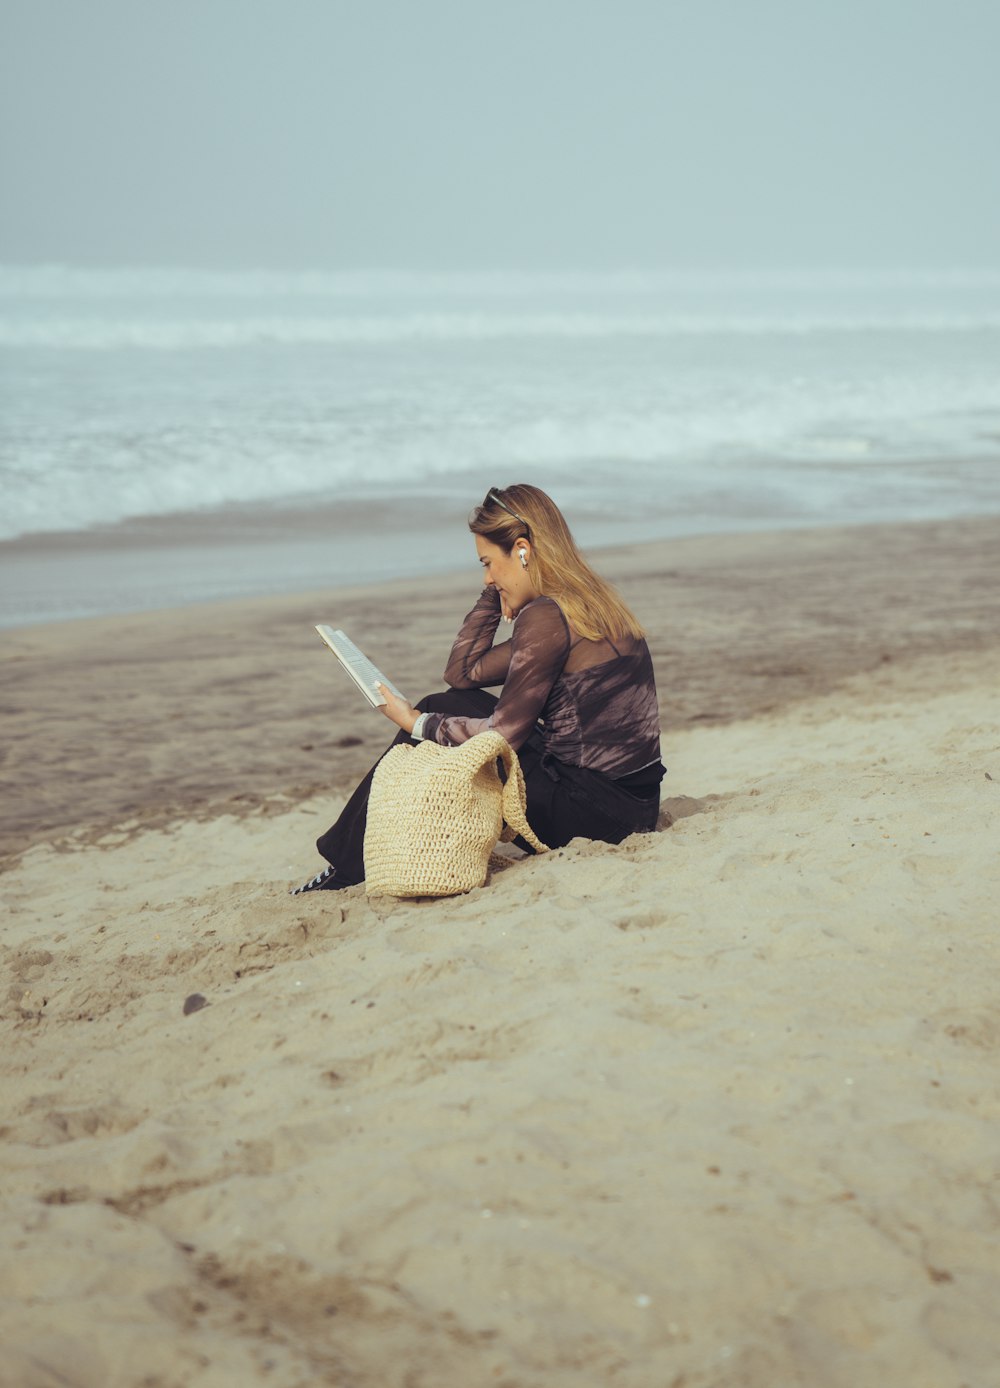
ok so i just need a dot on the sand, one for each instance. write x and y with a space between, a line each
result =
713 1108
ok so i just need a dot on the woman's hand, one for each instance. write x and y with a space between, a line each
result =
501 601
401 713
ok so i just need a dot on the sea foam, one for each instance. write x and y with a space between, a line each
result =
700 398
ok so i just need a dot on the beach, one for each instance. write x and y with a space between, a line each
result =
713 1108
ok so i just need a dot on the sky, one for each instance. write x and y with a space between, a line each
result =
500 134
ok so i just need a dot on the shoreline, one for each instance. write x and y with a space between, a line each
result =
252 552
247 553
236 707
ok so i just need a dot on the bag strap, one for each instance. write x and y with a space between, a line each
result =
492 746
514 801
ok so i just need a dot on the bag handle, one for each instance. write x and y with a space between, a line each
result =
514 801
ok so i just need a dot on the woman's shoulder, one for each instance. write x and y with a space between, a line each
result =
543 603
543 614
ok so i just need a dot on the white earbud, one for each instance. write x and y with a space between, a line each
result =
522 554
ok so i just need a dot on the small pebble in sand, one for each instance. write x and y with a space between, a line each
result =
194 1002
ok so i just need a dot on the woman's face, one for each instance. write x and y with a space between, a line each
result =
505 572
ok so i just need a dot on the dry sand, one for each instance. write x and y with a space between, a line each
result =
716 1108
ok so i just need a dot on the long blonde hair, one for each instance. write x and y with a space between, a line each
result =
558 569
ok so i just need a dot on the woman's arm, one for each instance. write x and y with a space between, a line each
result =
536 655
474 661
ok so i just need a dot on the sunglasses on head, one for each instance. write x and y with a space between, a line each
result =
494 495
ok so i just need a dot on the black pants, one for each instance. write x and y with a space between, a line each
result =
564 802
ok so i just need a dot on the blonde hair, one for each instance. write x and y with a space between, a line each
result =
558 569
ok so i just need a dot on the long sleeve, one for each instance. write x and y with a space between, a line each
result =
475 662
529 665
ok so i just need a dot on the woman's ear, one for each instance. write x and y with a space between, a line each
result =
522 548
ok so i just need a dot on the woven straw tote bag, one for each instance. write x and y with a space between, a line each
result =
436 813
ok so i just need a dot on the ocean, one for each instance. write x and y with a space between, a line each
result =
290 430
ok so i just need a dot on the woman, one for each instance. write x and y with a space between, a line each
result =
578 702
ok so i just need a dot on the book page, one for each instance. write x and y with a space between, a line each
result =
361 670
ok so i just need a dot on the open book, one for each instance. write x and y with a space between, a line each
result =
358 666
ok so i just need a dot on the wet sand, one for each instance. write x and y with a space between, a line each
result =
238 706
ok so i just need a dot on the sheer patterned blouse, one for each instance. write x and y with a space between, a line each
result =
595 701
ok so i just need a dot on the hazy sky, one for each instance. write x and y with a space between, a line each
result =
500 133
